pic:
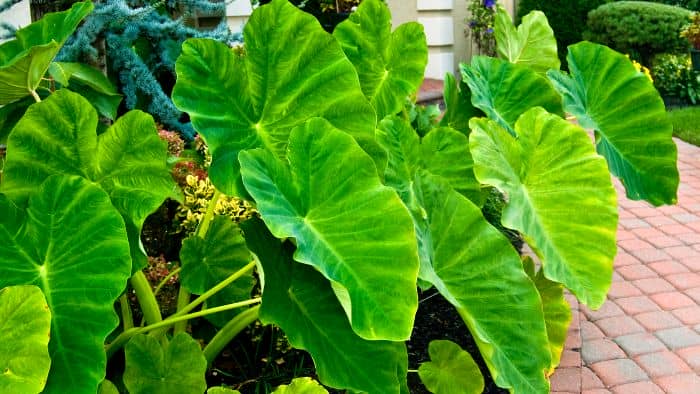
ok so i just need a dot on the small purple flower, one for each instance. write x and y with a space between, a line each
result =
472 23
489 3
489 30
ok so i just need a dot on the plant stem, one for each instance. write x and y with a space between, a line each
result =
209 293
183 295
127 316
228 332
35 95
412 371
147 301
126 335
165 280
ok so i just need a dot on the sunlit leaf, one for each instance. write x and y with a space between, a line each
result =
301 386
25 321
607 94
390 64
532 44
560 197
354 230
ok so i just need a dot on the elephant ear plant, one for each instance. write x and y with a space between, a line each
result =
355 209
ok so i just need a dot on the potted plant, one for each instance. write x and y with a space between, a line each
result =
692 34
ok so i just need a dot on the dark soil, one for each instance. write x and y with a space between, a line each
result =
438 319
260 359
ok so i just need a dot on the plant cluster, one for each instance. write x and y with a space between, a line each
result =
480 25
355 210
691 32
639 28
567 18
674 77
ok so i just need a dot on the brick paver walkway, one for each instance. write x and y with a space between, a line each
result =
646 337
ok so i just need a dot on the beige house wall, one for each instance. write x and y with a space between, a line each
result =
444 22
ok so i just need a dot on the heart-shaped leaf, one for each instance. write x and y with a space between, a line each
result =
560 197
504 91
58 136
291 71
532 44
150 369
354 230
300 300
450 370
607 94
25 321
390 65
72 243
209 260
301 386
24 60
90 83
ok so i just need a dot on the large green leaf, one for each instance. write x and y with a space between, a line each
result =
354 230
300 300
292 70
390 65
24 60
532 44
209 260
607 94
458 105
450 370
560 197
150 369
557 312
58 136
472 264
301 386
90 83
72 243
504 90
25 321
480 273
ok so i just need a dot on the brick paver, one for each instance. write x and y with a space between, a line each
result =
645 339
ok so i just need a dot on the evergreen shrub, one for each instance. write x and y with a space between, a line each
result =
640 29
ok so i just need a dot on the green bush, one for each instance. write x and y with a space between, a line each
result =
638 28
674 77
566 17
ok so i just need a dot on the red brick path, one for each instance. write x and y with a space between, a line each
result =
646 337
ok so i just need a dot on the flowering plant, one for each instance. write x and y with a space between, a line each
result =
692 31
482 14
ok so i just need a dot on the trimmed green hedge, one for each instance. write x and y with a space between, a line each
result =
638 28
567 18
